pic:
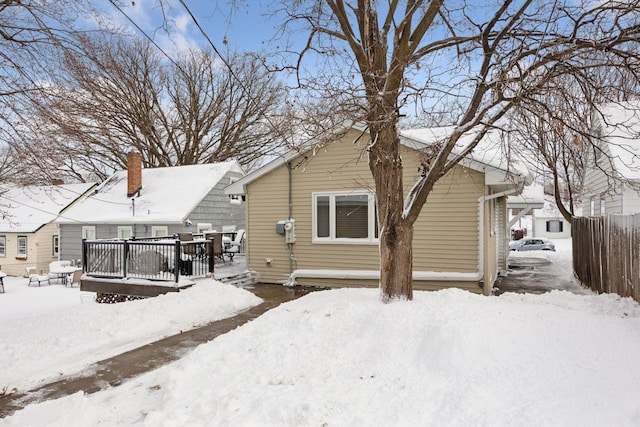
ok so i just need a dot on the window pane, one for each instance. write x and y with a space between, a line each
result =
124 232
322 216
55 244
3 246
89 232
22 245
159 231
554 226
352 216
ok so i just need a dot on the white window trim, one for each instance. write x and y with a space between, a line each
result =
372 240
55 253
26 247
89 228
123 228
162 228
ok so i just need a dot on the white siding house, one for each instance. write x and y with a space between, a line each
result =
612 175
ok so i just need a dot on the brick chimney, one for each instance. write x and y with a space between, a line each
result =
134 173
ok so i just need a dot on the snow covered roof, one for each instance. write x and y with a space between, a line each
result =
168 195
26 209
620 128
487 155
532 196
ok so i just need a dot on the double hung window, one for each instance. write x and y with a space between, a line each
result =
22 247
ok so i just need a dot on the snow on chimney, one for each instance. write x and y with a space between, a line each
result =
134 173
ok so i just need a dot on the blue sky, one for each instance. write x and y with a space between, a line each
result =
244 30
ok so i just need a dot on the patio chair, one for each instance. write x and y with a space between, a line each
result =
75 277
188 249
216 242
34 277
234 246
2 276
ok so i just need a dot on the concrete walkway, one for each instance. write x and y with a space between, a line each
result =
536 275
113 371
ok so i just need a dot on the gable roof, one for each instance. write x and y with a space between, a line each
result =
168 195
487 157
27 209
619 128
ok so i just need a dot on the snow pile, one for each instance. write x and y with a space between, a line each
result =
341 357
40 342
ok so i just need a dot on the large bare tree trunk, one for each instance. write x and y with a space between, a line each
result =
396 232
396 262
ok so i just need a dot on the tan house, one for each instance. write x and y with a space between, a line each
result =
28 235
311 216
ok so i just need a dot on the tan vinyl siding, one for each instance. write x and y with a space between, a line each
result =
39 251
446 234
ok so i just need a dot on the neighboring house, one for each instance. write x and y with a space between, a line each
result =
612 173
153 202
28 235
548 222
326 190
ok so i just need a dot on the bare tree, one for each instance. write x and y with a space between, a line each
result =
33 34
120 95
553 132
480 60
552 136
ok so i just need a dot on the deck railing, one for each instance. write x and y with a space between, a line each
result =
163 259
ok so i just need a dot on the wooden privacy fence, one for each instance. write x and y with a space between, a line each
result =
606 253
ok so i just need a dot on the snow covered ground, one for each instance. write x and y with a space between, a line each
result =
340 357
54 330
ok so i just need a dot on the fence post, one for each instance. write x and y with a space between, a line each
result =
211 255
177 260
125 257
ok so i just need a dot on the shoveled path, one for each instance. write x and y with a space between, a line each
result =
115 370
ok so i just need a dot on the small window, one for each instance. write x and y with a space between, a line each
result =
592 207
22 247
345 217
603 206
203 226
55 245
89 232
554 226
125 232
3 246
159 231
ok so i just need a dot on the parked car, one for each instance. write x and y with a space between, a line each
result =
532 244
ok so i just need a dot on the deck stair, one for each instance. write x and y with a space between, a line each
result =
246 278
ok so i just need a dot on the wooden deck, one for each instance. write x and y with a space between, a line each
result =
131 287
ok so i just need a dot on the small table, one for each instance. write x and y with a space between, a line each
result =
63 273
